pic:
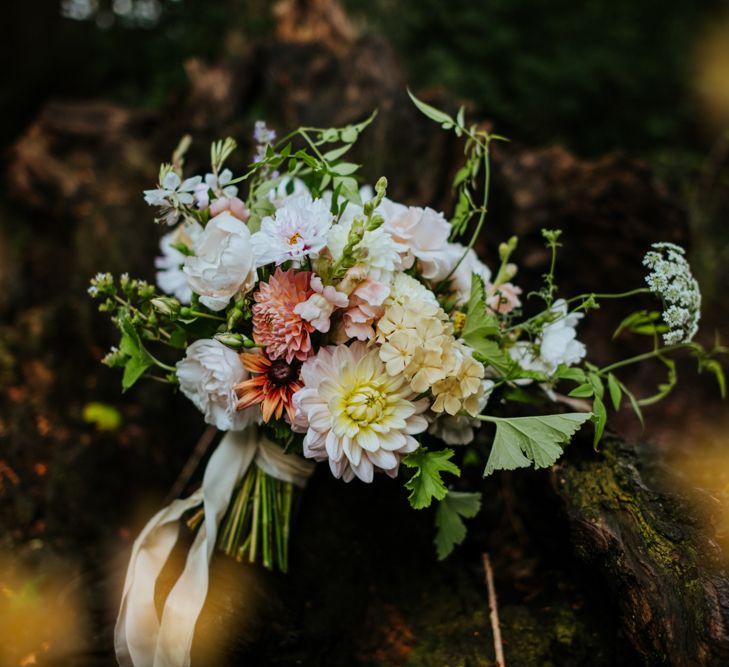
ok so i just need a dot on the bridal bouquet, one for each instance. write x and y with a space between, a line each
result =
315 320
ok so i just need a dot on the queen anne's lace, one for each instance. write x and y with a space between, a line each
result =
671 280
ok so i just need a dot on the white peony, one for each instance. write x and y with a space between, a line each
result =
171 279
223 262
208 375
557 345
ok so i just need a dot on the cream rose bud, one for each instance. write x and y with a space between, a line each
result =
223 262
208 375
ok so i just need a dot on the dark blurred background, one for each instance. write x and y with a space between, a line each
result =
618 112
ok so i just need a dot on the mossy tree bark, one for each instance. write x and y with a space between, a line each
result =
667 576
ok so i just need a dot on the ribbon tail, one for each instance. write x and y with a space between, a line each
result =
137 624
227 465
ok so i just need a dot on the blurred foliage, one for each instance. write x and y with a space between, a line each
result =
594 75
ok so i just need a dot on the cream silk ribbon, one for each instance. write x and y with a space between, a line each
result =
141 639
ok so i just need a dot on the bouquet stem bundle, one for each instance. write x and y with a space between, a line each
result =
257 524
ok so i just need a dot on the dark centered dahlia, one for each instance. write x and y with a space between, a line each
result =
272 385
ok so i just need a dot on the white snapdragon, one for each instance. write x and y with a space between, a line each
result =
557 344
222 265
377 253
208 375
671 280
297 230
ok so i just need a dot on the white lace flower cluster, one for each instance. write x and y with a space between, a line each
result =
671 280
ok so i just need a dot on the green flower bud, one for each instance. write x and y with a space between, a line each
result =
166 305
233 316
375 222
232 340
114 359
509 272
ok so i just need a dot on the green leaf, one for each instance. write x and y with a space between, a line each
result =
480 324
575 374
521 441
599 418
178 339
583 391
450 529
713 366
641 322
348 188
461 117
490 354
480 321
139 360
431 112
597 384
105 417
426 482
634 404
345 168
336 153
616 393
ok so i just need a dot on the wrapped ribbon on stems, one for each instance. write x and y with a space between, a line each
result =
249 486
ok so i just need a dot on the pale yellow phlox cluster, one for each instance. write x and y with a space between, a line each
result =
416 341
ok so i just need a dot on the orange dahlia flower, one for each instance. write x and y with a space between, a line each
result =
272 385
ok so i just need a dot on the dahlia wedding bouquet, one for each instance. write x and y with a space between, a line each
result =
315 320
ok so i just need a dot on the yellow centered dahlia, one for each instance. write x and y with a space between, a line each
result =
355 414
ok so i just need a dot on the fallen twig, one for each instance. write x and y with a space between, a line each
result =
192 463
493 612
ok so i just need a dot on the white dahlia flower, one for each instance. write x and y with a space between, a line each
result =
357 417
208 375
297 229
